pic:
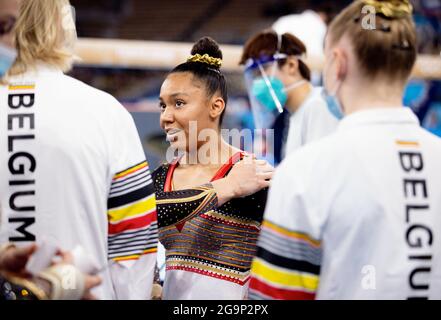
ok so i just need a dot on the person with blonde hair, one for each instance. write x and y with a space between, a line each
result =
15 282
357 214
73 170
48 37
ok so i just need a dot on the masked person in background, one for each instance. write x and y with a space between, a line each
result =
277 77
72 165
356 215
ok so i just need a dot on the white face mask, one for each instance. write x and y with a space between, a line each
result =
334 105
7 59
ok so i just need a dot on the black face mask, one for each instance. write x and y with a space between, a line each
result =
6 25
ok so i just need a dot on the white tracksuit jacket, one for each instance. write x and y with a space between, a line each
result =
73 171
356 215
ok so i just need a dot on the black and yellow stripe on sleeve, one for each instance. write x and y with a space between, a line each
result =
132 214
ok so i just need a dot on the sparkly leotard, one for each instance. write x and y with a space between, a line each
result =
204 242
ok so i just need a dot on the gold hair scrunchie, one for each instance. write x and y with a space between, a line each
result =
392 9
216 62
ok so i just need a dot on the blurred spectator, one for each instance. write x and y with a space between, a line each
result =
432 121
428 23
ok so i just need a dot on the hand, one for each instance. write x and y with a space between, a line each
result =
245 178
14 259
250 176
91 281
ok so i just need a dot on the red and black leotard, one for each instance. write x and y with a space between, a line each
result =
201 237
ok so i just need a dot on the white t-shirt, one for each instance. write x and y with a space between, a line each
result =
310 122
73 171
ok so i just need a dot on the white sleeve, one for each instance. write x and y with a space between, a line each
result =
134 282
132 221
292 202
288 259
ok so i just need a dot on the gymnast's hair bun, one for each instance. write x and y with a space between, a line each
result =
207 45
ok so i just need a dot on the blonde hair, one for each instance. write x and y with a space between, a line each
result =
388 51
42 35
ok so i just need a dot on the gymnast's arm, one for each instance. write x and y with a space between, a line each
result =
177 207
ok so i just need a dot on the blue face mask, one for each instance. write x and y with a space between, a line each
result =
334 106
7 59
262 92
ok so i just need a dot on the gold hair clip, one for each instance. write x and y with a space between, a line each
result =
216 62
392 9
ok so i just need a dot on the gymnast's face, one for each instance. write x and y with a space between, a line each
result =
184 104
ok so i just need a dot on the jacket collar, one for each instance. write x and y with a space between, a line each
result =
39 69
402 115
